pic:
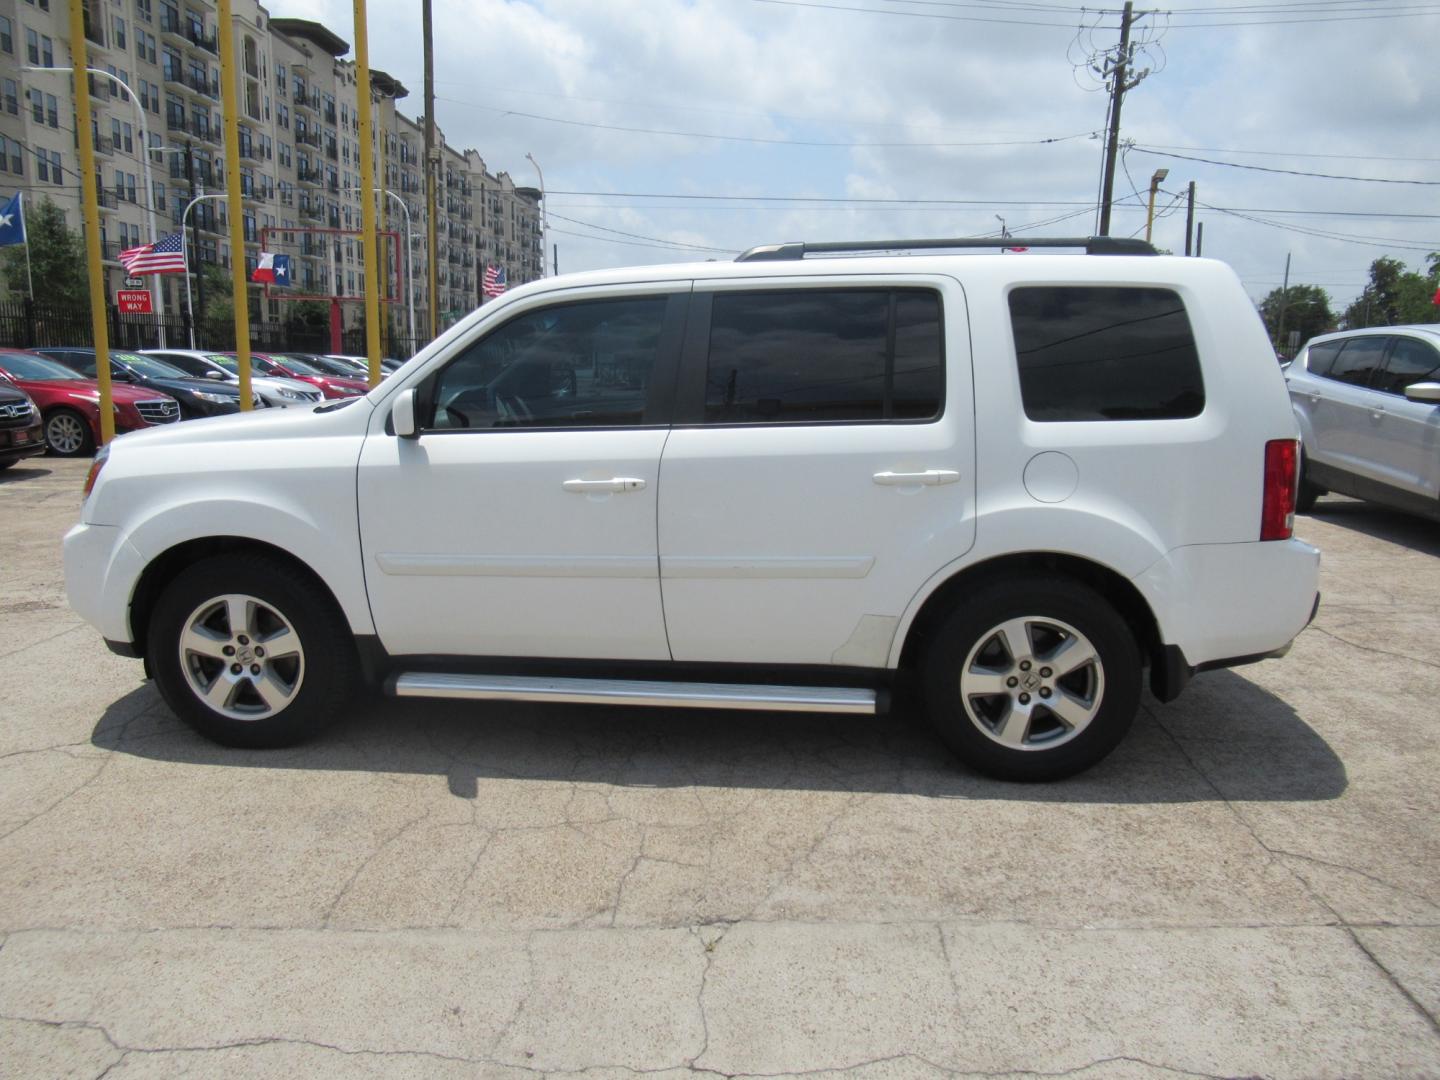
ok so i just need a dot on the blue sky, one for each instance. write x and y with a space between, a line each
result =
904 89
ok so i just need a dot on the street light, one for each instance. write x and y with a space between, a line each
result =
409 266
145 165
1160 174
531 158
189 302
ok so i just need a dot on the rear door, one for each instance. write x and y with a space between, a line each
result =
1344 411
823 455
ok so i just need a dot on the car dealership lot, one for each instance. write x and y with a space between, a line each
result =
1250 885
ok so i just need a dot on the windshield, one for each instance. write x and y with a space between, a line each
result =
35 367
229 363
149 366
303 367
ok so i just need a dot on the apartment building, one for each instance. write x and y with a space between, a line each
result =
299 153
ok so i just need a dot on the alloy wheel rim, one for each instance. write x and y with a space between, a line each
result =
64 433
241 657
1032 683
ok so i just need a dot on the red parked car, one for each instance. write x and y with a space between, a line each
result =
293 367
70 403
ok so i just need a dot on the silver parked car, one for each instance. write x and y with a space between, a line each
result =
1368 405
275 392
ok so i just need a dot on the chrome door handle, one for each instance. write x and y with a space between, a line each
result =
1377 414
592 487
930 477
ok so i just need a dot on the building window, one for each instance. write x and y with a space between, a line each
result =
6 147
37 105
280 79
55 171
7 41
143 11
12 97
145 46
118 26
47 51
32 47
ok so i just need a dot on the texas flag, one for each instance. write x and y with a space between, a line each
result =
274 269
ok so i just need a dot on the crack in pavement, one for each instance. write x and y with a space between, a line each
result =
1372 649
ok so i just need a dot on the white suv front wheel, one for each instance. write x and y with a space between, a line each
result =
250 652
1032 679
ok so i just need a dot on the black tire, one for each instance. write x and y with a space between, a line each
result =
1306 492
311 690
6 464
70 419
1058 613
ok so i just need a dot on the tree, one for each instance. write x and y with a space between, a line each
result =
57 259
1306 309
215 322
1396 296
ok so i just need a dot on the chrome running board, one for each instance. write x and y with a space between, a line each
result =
674 695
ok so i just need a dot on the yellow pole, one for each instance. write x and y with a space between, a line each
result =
367 197
239 298
90 201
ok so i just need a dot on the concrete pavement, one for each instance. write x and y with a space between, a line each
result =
1250 886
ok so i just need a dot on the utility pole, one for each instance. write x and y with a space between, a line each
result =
193 264
431 161
1284 297
1190 217
1199 239
1120 83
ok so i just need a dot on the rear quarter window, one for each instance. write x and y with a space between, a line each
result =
1088 352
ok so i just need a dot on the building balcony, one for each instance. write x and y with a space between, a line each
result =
202 40
309 177
171 25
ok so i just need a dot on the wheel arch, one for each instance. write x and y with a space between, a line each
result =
1121 593
163 568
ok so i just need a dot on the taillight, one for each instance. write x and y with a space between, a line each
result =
101 456
1277 511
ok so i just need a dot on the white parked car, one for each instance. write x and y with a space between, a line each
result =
775 484
274 391
1368 406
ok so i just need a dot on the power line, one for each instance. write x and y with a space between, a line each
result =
1285 153
1286 172
637 236
760 139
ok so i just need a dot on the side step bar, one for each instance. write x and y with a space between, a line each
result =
825 699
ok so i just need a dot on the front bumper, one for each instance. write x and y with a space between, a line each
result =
25 442
96 558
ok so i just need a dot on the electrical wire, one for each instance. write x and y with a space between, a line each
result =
1286 172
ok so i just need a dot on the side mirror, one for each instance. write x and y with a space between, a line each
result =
402 415
216 375
1427 393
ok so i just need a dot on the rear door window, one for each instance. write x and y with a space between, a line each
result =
1321 358
1360 360
1105 353
824 355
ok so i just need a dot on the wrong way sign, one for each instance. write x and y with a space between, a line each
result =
133 301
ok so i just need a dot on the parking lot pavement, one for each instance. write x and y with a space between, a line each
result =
1249 886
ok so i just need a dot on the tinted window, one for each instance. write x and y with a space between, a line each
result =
1410 361
1359 360
35 367
1321 358
824 354
191 365
574 365
1093 353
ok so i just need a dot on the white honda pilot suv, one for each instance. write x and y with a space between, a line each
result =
776 484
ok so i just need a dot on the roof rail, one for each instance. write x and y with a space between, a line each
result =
1093 245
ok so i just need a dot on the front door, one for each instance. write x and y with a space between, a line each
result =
1408 435
521 522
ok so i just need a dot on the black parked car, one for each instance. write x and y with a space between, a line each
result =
197 397
21 432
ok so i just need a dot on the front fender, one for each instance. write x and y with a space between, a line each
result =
282 521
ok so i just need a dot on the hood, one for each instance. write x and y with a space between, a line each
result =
256 426
120 393
204 386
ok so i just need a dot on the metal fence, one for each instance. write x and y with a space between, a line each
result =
25 325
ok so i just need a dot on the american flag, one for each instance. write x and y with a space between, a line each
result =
165 256
494 283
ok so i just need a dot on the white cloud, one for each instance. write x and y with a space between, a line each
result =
767 71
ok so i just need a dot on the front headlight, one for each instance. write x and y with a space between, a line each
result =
216 399
291 394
